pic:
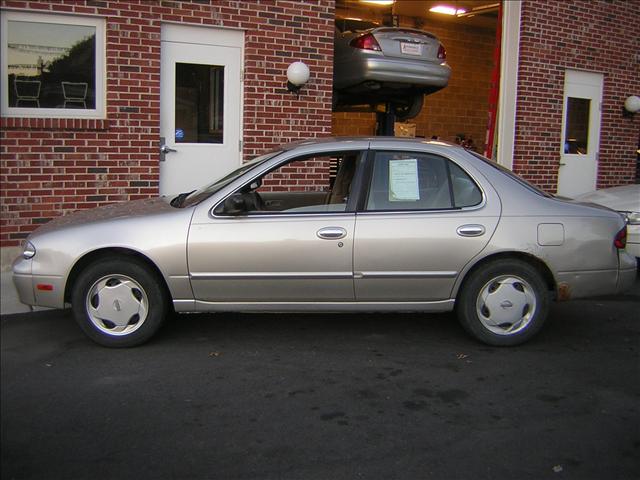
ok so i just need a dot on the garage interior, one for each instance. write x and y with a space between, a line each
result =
460 112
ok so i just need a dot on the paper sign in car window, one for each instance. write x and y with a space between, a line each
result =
403 180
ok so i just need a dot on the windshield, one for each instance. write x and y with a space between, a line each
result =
510 174
205 192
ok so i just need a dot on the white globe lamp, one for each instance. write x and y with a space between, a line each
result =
632 104
297 75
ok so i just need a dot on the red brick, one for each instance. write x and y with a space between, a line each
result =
125 144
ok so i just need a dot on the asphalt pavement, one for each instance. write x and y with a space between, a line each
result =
257 396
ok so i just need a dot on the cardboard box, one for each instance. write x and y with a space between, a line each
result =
404 130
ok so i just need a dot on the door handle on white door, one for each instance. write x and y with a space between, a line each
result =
470 230
332 233
164 149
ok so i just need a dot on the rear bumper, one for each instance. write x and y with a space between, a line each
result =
386 70
583 284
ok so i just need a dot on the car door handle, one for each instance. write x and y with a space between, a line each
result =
332 233
470 230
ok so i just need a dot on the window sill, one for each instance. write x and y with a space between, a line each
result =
30 123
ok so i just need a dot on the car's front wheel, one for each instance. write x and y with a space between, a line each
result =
119 302
503 303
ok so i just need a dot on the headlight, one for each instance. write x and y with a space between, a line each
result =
632 217
28 250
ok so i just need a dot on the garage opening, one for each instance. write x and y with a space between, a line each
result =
465 33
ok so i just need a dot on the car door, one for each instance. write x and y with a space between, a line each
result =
279 250
424 219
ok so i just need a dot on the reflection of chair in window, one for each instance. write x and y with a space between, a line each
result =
75 93
27 91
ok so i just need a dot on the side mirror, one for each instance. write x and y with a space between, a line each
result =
235 204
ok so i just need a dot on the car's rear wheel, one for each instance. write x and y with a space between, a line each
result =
409 109
503 303
119 303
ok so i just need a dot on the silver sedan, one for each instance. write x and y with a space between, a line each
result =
375 64
353 224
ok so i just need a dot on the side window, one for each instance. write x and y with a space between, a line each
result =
319 183
465 191
416 181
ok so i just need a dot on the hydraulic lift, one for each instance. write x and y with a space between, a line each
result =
385 122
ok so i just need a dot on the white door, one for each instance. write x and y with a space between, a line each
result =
580 133
200 106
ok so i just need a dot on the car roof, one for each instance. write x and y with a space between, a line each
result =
373 142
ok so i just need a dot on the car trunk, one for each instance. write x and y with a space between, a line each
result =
407 43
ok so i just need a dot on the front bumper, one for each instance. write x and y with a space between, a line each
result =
633 240
628 272
37 290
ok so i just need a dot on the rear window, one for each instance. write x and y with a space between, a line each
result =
354 25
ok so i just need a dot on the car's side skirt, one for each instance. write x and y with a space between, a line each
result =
200 306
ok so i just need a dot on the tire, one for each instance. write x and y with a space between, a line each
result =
409 110
119 303
504 303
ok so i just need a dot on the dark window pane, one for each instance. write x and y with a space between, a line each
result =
577 126
51 65
199 103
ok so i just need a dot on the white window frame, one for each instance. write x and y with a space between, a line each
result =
100 67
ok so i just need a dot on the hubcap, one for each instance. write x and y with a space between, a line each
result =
117 305
506 305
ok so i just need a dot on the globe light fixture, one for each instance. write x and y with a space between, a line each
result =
297 75
631 106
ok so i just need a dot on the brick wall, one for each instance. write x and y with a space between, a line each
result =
598 36
311 175
53 166
461 107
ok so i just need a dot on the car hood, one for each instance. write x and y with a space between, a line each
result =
622 199
133 209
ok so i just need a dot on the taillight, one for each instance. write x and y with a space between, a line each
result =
366 42
442 53
620 240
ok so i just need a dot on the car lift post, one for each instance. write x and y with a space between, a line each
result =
385 122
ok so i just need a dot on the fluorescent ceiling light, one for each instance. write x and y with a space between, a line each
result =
447 10
378 2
